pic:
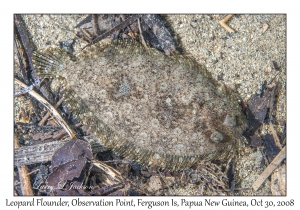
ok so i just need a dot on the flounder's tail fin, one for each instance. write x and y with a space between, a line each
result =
50 62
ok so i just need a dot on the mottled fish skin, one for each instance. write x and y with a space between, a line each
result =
155 109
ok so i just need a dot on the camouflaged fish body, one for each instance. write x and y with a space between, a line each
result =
158 110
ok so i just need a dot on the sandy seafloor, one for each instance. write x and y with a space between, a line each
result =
242 59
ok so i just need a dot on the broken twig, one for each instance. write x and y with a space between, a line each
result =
23 174
42 122
55 113
95 24
141 35
224 25
113 173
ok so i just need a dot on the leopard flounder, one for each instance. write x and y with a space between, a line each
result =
158 110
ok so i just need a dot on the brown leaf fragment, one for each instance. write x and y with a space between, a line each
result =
162 34
72 150
257 109
58 178
70 162
271 148
256 141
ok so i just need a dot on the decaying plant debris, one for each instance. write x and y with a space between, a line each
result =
135 178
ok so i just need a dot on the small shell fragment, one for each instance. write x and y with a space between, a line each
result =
265 27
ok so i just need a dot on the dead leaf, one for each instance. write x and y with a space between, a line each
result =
72 150
256 141
68 171
70 163
271 148
257 109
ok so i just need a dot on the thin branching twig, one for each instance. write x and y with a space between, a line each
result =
55 113
116 28
42 122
